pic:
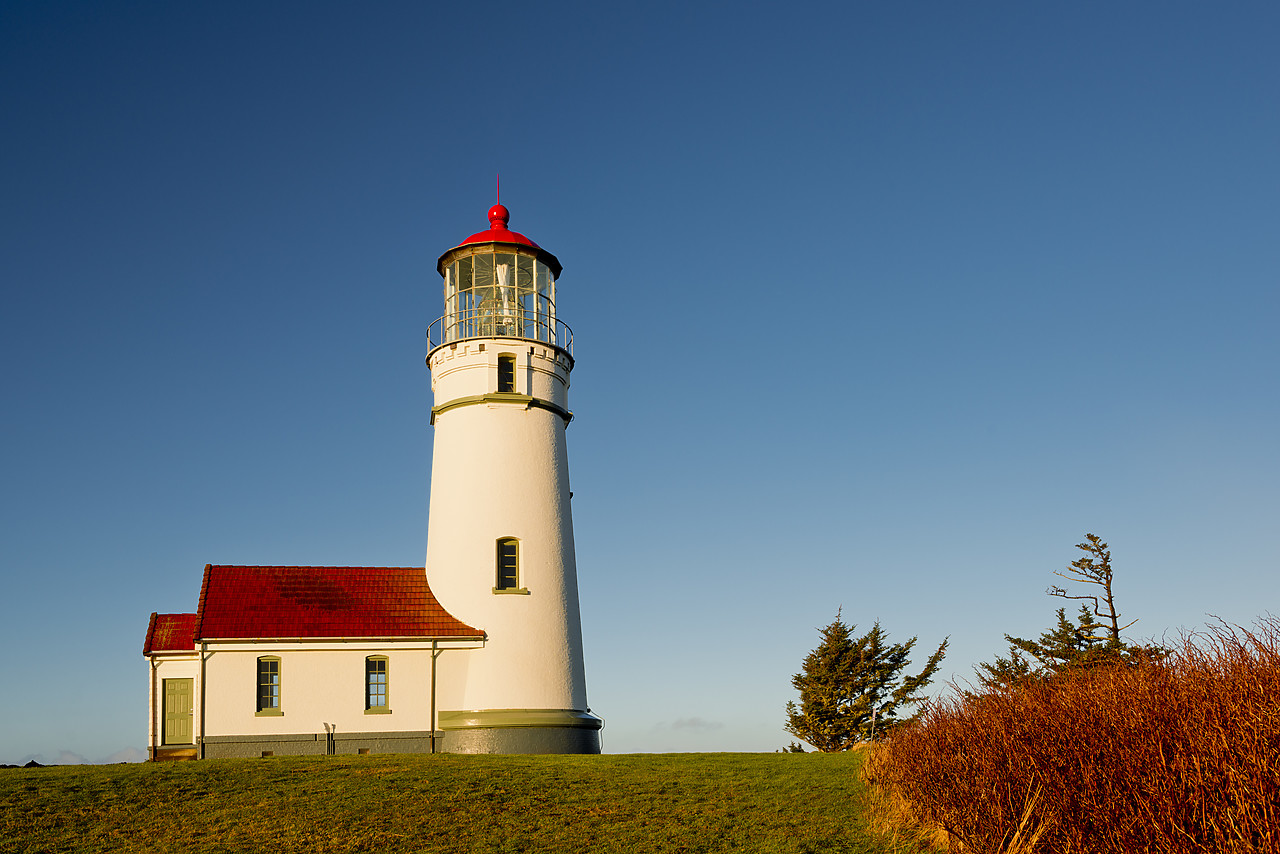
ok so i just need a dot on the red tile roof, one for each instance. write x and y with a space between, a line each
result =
322 602
170 633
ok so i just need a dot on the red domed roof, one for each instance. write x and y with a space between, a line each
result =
498 232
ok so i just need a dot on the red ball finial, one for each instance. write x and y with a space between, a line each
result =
499 216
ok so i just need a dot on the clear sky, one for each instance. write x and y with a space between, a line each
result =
879 306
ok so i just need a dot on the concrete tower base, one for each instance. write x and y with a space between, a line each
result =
521 731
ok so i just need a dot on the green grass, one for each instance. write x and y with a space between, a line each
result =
639 803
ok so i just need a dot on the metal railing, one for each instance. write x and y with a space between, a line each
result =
474 323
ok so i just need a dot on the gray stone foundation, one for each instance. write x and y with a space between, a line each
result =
318 744
524 740
521 731
484 731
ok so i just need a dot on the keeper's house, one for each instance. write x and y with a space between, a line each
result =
304 660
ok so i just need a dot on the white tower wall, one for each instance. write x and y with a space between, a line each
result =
500 469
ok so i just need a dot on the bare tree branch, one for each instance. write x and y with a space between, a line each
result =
1062 594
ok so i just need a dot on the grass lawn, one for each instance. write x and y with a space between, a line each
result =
637 803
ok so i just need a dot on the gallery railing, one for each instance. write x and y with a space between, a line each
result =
478 323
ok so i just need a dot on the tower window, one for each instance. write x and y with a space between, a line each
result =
509 566
507 373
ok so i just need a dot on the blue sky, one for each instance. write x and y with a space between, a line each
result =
876 306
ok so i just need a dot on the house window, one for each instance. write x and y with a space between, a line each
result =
507 373
269 686
375 685
508 566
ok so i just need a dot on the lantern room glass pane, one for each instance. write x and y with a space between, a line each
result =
504 294
464 273
507 262
525 319
544 279
450 300
524 273
504 278
461 320
483 284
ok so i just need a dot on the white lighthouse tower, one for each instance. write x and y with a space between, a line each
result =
500 537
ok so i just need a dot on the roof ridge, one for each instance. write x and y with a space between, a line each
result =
306 566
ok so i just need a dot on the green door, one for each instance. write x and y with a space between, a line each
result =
177 711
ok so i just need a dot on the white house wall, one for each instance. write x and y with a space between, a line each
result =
319 685
168 667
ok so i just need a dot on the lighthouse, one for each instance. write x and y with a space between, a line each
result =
500 552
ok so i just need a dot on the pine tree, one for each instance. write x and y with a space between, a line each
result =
848 685
1088 642
1065 645
1087 570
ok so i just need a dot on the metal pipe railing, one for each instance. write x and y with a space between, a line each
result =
516 323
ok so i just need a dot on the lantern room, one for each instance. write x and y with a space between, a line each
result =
499 284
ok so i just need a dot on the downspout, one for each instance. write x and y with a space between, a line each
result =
435 653
200 742
152 747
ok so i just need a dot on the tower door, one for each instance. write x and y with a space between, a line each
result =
177 711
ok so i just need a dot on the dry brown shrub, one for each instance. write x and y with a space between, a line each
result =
888 812
1177 755
893 817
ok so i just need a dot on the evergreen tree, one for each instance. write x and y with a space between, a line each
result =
1086 643
849 684
1087 570
1065 645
